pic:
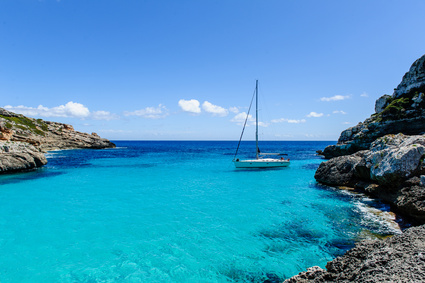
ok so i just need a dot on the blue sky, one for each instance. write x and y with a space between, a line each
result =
186 70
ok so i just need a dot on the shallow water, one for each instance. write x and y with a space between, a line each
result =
176 212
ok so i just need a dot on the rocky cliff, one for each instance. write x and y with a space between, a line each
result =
391 169
23 141
403 112
19 156
383 157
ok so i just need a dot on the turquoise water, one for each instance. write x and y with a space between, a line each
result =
175 212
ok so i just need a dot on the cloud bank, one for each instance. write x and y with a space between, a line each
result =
69 110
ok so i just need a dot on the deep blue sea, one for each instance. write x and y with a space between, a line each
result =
177 211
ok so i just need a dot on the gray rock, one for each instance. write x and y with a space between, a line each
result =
381 103
413 79
400 258
417 100
393 159
389 170
339 171
404 112
18 156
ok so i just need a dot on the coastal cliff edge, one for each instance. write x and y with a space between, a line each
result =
23 141
383 157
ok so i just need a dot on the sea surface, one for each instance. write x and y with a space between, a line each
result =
177 211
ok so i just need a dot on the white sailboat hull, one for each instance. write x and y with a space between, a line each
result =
261 163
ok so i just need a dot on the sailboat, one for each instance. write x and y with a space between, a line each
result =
261 160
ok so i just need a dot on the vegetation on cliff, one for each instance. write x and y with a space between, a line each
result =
23 140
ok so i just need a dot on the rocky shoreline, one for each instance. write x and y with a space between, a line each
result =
383 157
23 141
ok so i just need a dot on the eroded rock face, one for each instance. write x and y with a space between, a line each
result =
391 170
5 133
403 112
395 158
19 156
400 258
46 135
381 103
413 79
378 157
24 140
339 171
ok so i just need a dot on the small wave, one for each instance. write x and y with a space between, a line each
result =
378 221
53 155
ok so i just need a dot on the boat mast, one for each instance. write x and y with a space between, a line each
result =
256 117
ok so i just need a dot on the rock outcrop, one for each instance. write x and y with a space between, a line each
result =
400 258
384 157
403 112
24 139
20 156
391 170
46 135
412 80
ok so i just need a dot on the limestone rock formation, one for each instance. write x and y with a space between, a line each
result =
23 140
385 157
382 102
400 258
403 112
339 171
412 80
391 169
19 156
46 135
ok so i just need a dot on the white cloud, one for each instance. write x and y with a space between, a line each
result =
69 110
364 94
191 106
234 110
339 112
150 112
214 109
346 123
315 115
240 118
290 121
335 98
263 124
103 115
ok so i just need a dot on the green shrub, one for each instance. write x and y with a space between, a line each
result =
24 123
